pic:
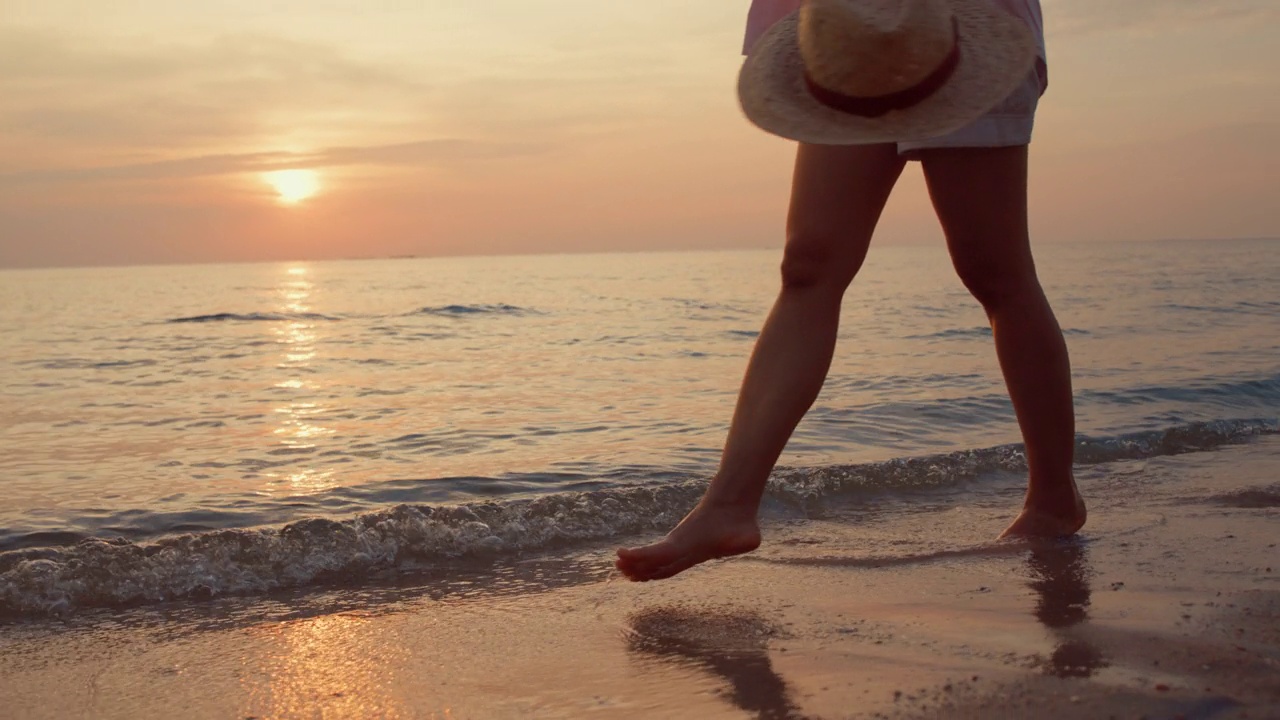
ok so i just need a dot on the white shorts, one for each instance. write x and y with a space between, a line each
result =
1007 124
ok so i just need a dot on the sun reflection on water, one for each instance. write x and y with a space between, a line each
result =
300 425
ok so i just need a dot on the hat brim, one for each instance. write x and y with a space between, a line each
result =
997 51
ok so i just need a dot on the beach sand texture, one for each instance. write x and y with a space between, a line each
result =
1167 607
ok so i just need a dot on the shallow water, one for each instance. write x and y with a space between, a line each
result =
1165 607
185 416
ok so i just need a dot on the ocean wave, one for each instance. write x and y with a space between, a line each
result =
86 364
1241 307
471 310
253 317
983 331
117 572
704 310
1229 392
810 485
954 333
105 573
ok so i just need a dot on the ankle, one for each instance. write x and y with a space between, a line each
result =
1061 499
733 493
729 504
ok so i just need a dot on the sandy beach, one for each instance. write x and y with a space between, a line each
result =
1168 607
355 359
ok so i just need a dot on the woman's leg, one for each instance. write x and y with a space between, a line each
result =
837 196
980 195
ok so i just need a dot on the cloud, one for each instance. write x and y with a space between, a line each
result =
421 153
147 95
1074 17
32 57
98 100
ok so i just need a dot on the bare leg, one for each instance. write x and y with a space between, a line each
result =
980 195
837 196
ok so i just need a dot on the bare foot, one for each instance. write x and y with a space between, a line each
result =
707 532
1055 518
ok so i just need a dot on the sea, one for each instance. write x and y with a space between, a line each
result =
179 433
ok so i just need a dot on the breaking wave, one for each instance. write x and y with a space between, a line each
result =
117 572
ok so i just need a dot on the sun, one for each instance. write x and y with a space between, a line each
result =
293 186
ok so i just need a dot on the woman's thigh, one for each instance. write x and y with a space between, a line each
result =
837 196
980 196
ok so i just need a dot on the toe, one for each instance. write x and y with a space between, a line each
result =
673 568
658 553
639 573
640 563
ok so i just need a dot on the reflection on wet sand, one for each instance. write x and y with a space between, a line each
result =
326 666
1060 577
730 643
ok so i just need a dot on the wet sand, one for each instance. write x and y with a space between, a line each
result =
1169 606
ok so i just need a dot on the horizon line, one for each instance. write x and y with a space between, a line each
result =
375 258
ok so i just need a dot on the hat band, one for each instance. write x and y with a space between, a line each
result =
877 105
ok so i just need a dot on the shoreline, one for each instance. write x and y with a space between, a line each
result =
1167 606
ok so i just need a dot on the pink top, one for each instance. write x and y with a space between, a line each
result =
764 13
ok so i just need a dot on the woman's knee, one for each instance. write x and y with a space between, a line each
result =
810 262
996 284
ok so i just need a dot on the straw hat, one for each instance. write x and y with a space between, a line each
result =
852 72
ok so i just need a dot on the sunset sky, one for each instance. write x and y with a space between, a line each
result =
145 134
